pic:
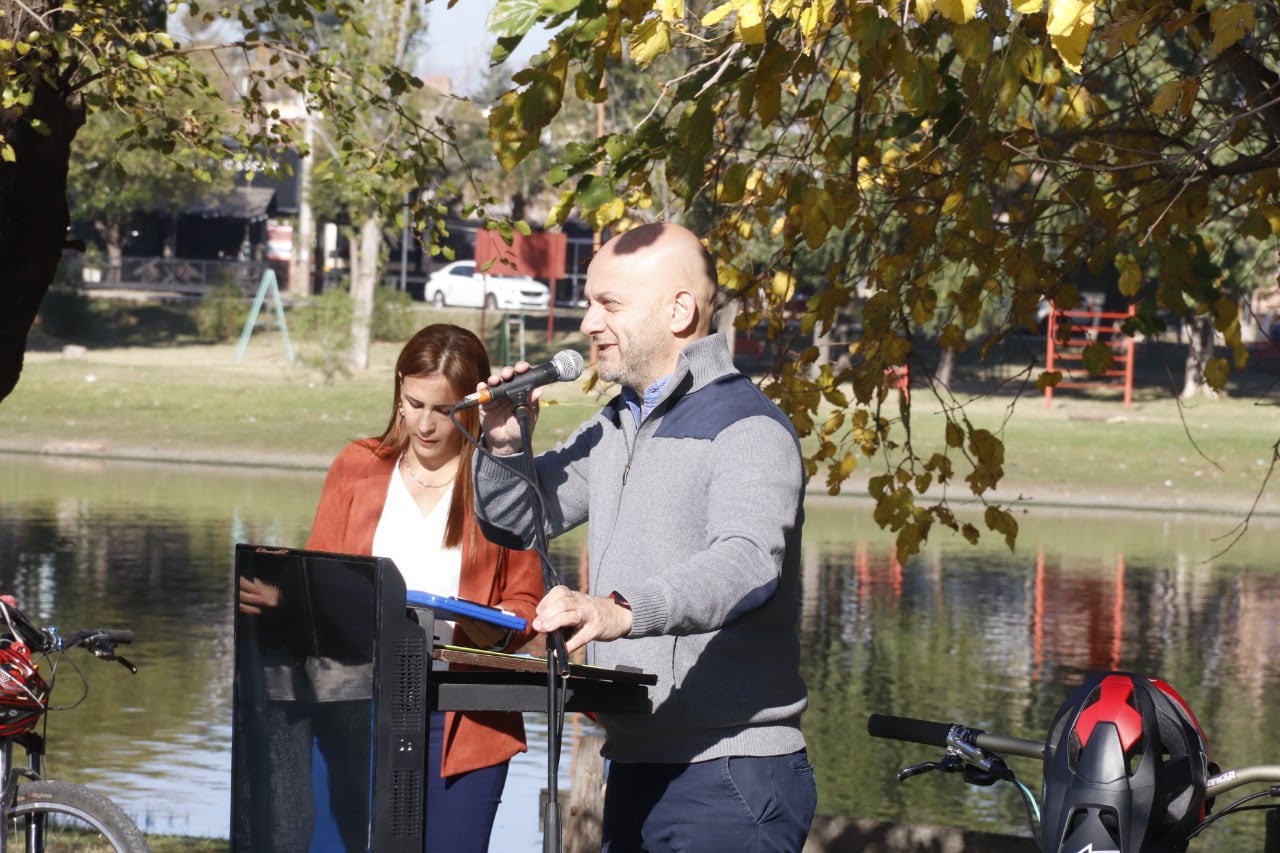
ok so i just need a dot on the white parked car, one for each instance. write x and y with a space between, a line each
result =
462 284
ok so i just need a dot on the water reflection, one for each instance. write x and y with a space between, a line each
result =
995 640
980 635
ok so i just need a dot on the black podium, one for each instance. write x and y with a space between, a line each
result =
332 686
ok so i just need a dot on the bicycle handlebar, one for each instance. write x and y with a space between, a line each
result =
944 735
932 733
93 636
101 642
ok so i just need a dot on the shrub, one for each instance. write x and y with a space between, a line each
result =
65 314
324 326
393 316
221 313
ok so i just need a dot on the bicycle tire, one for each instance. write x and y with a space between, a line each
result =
76 820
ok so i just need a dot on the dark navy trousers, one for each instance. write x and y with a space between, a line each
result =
462 808
743 804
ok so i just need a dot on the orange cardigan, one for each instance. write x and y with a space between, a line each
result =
350 506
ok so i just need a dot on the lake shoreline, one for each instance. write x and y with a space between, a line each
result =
1020 497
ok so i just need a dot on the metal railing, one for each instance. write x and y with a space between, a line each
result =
176 275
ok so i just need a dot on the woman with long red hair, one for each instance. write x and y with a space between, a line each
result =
407 495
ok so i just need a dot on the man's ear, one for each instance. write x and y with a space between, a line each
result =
684 313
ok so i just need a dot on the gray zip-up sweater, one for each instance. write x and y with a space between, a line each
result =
695 520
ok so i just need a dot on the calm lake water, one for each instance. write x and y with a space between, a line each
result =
972 634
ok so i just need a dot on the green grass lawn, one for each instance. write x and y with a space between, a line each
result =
172 399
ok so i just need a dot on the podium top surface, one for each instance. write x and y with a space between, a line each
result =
525 663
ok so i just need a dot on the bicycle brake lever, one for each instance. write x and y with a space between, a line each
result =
123 661
915 770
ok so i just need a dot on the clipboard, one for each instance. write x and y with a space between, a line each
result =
451 606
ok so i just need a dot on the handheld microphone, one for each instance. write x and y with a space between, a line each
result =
564 366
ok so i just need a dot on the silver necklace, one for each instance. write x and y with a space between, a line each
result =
404 462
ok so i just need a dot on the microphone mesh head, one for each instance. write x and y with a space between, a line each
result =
568 364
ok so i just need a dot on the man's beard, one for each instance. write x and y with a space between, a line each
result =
634 367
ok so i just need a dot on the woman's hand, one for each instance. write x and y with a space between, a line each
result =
256 595
483 635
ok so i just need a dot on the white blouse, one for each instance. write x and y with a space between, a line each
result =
415 543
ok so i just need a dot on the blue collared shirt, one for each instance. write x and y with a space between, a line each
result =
640 408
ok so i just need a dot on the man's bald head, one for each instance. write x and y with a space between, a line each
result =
650 291
674 259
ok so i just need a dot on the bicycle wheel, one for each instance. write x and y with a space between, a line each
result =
58 817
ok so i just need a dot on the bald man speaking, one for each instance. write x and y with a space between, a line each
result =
693 483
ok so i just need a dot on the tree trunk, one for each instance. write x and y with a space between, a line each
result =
822 342
111 234
946 365
724 317
33 196
1200 340
583 819
365 253
304 238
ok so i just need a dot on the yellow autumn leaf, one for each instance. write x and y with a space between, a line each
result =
649 39
924 8
1130 275
750 13
1123 32
1190 88
1069 25
960 11
1216 371
817 216
1027 7
749 28
1273 216
750 35
733 185
1231 24
846 466
749 25
607 214
1048 379
1166 97
718 14
816 19
952 338
866 180
671 10
783 285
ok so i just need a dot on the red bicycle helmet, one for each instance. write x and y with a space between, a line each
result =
23 692
1125 768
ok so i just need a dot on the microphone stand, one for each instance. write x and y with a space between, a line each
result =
557 655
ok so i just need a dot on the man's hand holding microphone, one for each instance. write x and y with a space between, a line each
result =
515 385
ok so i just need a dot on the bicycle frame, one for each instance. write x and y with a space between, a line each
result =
33 745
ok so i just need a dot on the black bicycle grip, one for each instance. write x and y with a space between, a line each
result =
905 728
119 636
